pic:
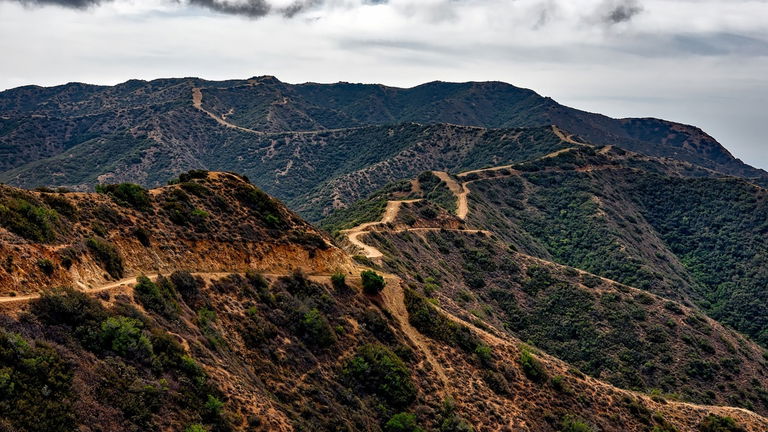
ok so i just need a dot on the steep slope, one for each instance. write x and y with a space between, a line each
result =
620 334
202 349
671 228
144 131
208 222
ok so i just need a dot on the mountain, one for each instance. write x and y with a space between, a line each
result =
208 305
490 244
319 147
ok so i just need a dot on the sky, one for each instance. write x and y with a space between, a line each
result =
700 62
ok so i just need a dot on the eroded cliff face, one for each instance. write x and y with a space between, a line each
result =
212 222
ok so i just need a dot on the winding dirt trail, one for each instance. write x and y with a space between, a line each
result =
459 191
354 234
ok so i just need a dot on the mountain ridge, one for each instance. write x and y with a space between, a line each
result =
146 130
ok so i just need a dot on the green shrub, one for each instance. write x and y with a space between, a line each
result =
193 174
107 255
188 286
27 220
205 319
259 201
35 386
60 204
339 281
402 422
379 370
572 424
46 266
716 423
157 297
195 428
428 320
316 329
75 309
127 194
195 189
485 354
532 367
125 337
213 406
373 283
143 236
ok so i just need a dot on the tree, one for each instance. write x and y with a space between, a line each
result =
373 283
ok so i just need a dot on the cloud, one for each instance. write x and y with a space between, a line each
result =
250 8
74 4
246 8
618 12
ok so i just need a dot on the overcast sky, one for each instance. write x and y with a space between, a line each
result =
702 62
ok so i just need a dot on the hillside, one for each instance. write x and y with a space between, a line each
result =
470 263
297 140
206 222
249 319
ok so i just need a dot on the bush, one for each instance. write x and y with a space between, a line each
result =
27 220
46 266
35 387
188 286
378 369
127 194
373 283
316 329
125 337
193 174
532 367
142 235
485 354
65 306
157 297
716 423
571 424
339 281
402 422
258 200
428 320
195 428
107 255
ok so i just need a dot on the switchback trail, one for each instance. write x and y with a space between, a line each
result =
354 234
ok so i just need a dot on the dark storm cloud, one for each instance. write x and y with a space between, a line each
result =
74 4
298 7
615 12
249 8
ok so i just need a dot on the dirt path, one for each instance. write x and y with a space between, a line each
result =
354 234
460 192
563 137
482 170
394 300
126 282
197 102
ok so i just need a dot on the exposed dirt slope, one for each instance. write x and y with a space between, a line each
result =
215 223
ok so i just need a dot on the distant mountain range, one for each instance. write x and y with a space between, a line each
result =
316 146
